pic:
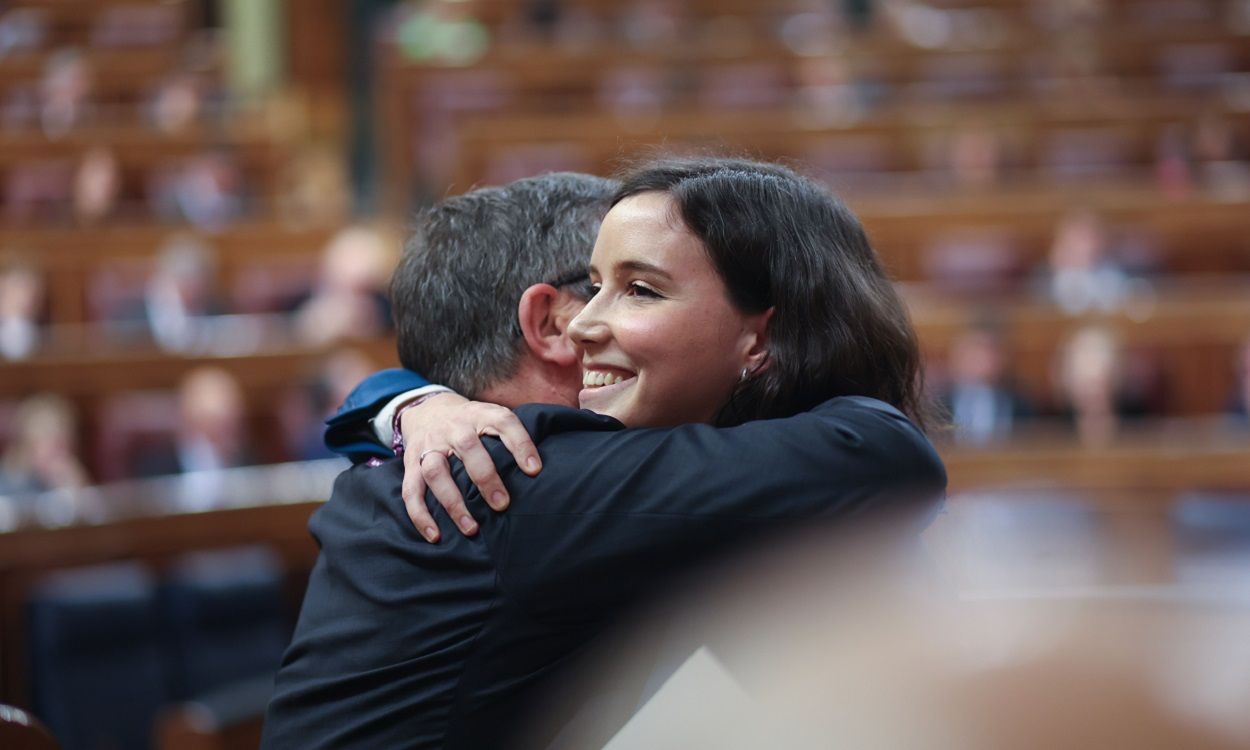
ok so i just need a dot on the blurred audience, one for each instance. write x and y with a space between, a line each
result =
137 24
1210 156
812 28
21 309
1221 158
211 431
1239 402
1082 276
42 453
543 17
653 24
97 186
350 299
38 189
975 158
306 407
441 31
827 92
1099 386
177 103
179 297
1089 383
65 92
972 260
22 29
983 404
208 191
314 188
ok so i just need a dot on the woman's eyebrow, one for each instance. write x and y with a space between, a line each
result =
644 267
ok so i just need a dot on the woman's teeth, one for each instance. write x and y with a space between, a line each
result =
598 378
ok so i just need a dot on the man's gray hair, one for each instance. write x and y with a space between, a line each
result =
472 256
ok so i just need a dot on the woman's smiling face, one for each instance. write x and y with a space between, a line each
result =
661 343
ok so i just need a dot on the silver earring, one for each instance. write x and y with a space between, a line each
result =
743 378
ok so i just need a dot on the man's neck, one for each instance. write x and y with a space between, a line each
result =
534 383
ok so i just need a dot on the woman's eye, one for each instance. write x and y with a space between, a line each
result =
641 290
592 288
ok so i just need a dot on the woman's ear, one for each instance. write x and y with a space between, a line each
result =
544 314
756 341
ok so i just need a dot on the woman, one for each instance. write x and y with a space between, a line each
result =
724 291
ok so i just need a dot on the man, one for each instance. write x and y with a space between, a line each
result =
402 643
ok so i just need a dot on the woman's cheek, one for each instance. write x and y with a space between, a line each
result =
645 333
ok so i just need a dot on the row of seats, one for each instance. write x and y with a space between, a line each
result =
876 101
28 26
111 646
264 267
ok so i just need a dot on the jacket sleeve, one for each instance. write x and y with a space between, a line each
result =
349 433
616 510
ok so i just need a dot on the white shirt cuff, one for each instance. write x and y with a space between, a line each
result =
383 423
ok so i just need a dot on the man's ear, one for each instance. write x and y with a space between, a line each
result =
755 337
544 313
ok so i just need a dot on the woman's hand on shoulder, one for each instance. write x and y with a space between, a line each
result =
444 425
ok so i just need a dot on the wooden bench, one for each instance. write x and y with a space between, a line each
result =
892 151
146 525
74 259
1189 331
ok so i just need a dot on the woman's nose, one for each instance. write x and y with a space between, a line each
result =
588 326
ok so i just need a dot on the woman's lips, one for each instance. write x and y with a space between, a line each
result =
592 395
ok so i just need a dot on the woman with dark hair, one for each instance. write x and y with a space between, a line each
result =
784 247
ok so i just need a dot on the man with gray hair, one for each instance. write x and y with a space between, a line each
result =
471 261
381 656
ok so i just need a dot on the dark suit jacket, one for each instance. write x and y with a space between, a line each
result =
406 644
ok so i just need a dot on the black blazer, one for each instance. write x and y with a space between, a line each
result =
406 644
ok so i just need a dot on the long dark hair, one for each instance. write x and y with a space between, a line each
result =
781 240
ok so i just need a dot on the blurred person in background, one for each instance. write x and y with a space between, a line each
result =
212 428
653 23
1098 387
1239 402
827 92
181 295
350 300
43 452
97 186
208 191
21 309
975 157
178 102
64 92
318 398
441 31
1209 155
979 397
1081 274
314 189
1221 157
22 29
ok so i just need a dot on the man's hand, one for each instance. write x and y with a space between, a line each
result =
447 424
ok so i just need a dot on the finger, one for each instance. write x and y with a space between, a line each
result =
437 473
413 492
518 442
481 469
